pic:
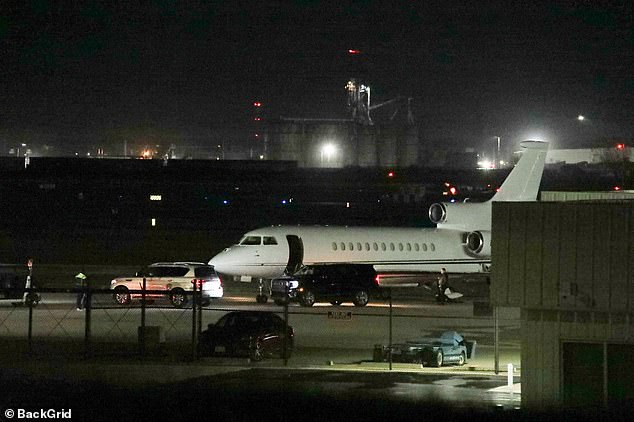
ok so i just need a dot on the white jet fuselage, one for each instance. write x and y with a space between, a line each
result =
388 249
461 241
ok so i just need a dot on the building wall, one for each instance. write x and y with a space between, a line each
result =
569 266
588 155
549 196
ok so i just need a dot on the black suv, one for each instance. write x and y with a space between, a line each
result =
334 283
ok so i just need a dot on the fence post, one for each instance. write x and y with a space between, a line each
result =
195 301
390 336
142 334
87 332
285 343
30 334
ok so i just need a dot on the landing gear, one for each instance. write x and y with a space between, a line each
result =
261 297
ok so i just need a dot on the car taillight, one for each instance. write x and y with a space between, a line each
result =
377 279
198 282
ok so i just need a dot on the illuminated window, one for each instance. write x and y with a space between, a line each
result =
343 246
156 197
334 246
432 247
367 246
153 222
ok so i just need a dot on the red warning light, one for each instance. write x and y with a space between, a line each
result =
257 119
390 174
353 51
617 188
257 104
620 146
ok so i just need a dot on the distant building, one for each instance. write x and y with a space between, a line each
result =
588 155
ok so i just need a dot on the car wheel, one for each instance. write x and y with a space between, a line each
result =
308 299
178 298
361 298
257 351
437 359
462 359
280 302
336 302
121 295
261 298
204 349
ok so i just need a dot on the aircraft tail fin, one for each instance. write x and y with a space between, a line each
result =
522 184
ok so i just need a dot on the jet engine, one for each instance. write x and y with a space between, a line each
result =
461 215
479 242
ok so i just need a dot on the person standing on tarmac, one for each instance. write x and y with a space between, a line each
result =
81 284
441 285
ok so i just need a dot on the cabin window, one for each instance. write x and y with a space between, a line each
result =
409 247
251 240
392 246
343 246
269 240
359 247
367 246
432 247
424 247
383 247
334 246
400 247
375 246
350 246
416 247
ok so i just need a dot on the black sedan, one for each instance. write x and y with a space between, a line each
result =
247 333
438 350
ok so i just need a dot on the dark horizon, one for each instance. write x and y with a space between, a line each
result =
188 73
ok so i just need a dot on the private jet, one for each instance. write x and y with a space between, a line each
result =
460 242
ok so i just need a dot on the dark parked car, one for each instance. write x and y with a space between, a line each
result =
13 282
247 333
334 283
437 350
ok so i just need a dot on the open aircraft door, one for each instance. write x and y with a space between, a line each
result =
295 253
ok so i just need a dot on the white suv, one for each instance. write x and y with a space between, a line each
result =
175 278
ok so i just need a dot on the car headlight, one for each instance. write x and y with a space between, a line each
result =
113 282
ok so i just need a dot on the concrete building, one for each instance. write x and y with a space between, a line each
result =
589 155
569 266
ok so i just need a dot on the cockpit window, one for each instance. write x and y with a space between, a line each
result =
251 240
269 240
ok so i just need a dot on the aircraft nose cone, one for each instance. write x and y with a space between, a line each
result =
220 261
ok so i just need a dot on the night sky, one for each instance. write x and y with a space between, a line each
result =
91 73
